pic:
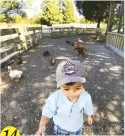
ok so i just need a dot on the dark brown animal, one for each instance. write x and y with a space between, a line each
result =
19 60
46 53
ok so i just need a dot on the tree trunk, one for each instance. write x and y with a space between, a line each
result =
111 16
121 13
98 24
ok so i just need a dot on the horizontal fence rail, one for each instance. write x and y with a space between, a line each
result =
70 31
16 40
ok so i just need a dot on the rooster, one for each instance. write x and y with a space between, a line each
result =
79 48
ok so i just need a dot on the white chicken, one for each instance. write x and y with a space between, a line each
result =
79 41
15 74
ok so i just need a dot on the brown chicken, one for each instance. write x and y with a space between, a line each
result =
53 61
79 48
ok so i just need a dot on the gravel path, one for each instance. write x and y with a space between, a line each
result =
21 103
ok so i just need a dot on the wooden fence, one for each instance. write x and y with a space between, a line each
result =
19 39
16 40
70 31
115 41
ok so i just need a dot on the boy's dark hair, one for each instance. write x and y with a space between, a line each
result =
71 83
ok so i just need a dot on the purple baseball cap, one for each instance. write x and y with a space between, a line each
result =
70 71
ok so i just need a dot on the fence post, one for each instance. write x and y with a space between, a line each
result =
23 38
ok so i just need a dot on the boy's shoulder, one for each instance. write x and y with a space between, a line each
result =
85 95
54 95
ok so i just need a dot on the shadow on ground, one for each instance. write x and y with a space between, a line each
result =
21 103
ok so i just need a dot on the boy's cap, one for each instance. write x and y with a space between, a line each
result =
70 71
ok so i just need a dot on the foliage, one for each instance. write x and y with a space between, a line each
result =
85 21
51 13
94 10
68 12
8 8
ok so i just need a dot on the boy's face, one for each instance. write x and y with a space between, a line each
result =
72 92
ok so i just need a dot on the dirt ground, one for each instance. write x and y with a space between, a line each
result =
21 103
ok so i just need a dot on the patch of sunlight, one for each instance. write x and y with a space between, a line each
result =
103 70
90 42
117 113
110 106
87 60
24 62
3 86
14 95
88 68
121 83
111 131
114 102
34 100
62 57
24 121
117 75
48 45
13 104
24 68
99 87
41 85
25 56
102 115
112 117
96 61
97 117
95 108
41 101
63 49
108 64
122 103
42 95
31 50
48 78
117 97
115 68
100 59
33 66
98 55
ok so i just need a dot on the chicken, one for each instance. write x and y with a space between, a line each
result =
15 74
19 60
53 61
79 48
46 53
68 42
79 41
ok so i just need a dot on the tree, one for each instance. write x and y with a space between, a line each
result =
94 10
51 13
68 12
85 21
36 19
8 8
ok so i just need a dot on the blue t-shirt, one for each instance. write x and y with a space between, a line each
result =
66 114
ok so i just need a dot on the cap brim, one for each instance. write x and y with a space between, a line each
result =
71 79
